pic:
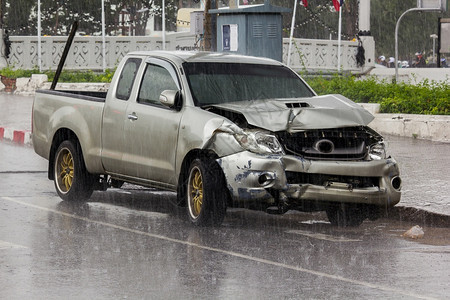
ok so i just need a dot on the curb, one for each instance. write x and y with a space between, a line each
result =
419 216
434 128
20 137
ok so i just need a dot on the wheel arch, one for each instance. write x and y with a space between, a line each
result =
184 170
61 135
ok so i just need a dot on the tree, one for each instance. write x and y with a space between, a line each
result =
318 21
414 31
16 17
350 11
58 15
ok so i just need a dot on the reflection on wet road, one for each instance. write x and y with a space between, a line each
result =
146 248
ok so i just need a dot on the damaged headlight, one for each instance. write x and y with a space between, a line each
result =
377 151
259 142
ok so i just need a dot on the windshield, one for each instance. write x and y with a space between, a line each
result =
216 83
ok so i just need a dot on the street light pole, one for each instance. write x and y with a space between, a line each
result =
434 37
396 33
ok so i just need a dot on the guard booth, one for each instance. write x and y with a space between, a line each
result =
251 30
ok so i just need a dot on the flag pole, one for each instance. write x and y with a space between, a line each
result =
39 50
339 39
292 33
103 37
163 25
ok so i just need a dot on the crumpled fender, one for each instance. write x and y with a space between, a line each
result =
218 135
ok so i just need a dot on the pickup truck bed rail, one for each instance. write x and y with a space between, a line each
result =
85 95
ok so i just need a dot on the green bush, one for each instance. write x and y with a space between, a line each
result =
10 72
66 76
423 98
82 76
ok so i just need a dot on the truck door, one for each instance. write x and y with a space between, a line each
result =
151 134
114 117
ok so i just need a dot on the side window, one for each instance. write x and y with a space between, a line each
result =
156 79
127 77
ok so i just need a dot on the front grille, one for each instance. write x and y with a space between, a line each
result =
324 179
330 144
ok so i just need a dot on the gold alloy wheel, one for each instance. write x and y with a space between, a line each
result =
64 170
195 192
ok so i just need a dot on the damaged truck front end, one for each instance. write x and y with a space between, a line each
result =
293 181
344 171
281 147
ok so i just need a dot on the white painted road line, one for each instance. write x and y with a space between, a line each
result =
321 236
5 245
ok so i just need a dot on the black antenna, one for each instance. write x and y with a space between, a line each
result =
73 30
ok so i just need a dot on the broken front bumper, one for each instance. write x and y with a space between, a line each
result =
264 178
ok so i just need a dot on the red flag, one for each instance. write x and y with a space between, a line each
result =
337 4
305 3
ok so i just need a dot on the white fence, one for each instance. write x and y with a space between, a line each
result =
322 55
86 52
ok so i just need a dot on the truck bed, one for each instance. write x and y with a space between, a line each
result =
56 113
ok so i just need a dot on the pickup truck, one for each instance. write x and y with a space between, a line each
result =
220 130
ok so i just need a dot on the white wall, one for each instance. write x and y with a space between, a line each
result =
412 75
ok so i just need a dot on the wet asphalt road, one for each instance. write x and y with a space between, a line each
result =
424 169
133 243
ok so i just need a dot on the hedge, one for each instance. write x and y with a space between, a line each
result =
427 97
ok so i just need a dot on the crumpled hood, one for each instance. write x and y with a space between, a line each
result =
319 112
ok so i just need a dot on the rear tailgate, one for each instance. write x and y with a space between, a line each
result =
55 112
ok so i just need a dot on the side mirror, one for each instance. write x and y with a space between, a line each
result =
170 98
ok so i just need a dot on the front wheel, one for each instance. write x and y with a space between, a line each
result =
206 194
72 181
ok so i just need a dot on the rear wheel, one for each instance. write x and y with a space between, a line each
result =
206 194
345 215
72 180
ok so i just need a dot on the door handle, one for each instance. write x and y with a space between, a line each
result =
132 117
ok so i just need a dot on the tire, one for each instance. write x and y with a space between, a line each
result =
373 212
72 180
345 215
206 194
